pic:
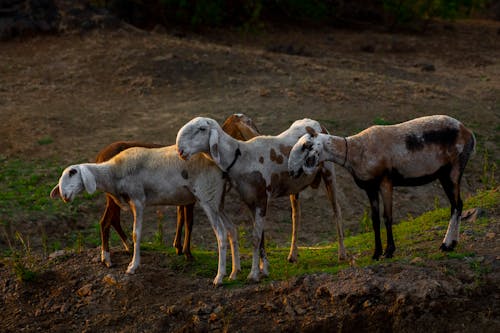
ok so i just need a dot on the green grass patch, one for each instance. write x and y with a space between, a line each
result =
25 190
415 237
47 140
382 121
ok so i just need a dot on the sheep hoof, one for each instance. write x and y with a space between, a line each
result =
130 270
189 256
446 248
106 259
233 276
388 255
218 281
376 255
389 252
292 258
253 278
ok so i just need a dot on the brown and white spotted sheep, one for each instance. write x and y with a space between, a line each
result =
238 126
138 177
258 169
412 153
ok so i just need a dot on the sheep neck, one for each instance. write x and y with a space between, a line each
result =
237 153
338 150
229 149
102 174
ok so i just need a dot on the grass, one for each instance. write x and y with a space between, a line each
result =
416 237
25 187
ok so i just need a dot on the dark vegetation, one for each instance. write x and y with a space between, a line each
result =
29 17
252 13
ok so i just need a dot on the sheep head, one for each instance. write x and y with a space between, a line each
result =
240 127
305 154
199 135
74 180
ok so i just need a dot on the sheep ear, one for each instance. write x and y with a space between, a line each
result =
311 131
54 194
214 145
88 179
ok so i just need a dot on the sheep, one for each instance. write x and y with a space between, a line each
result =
412 153
258 169
238 126
141 176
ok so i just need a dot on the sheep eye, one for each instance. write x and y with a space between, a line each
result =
202 129
72 172
308 145
310 161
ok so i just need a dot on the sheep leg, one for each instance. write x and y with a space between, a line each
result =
221 235
263 262
452 190
188 222
386 190
294 202
374 205
331 192
178 231
258 254
138 211
235 249
110 217
105 224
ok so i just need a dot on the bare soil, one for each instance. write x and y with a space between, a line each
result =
63 98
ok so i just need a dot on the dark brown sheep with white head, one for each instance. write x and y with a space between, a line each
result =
412 153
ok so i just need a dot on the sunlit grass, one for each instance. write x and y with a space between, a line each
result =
415 238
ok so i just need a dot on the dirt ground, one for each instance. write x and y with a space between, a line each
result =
63 98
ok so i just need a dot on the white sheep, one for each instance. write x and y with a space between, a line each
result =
138 177
258 169
238 126
412 153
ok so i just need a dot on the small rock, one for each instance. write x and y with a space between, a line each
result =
109 279
170 310
84 291
490 235
367 303
417 260
213 317
300 311
56 254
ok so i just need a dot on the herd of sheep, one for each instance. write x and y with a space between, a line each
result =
209 159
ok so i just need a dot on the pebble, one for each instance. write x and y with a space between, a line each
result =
56 254
86 290
109 279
